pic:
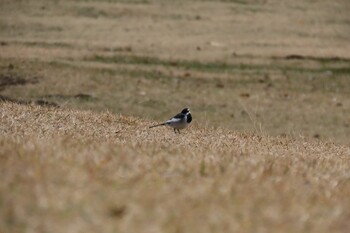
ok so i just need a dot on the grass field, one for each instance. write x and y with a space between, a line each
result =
268 83
69 171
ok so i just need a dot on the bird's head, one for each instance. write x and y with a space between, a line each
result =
185 111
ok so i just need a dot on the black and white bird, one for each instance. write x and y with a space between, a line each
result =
180 121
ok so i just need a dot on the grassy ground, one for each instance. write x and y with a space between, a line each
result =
270 67
69 171
268 85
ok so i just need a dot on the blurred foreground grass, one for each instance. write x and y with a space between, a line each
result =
68 170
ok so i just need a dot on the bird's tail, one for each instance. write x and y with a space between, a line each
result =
157 125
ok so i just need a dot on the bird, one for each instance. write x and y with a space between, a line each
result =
179 121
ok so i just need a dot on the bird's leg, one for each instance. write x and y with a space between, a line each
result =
178 131
174 130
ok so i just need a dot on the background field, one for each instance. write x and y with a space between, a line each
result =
268 83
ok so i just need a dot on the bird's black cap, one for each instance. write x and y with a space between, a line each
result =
185 110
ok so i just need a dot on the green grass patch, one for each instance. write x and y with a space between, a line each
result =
217 67
119 1
220 66
195 65
45 44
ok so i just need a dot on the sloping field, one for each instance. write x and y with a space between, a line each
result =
267 82
72 171
275 67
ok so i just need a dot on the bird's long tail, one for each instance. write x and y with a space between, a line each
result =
158 125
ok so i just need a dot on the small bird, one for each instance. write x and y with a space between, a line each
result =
180 121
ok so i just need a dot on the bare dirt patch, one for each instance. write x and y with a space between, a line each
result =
7 80
27 102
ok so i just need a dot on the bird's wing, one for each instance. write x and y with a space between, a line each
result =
173 120
178 116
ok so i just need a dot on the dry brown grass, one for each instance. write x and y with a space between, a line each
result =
224 59
69 171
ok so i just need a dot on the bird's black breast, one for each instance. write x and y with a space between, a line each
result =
189 118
